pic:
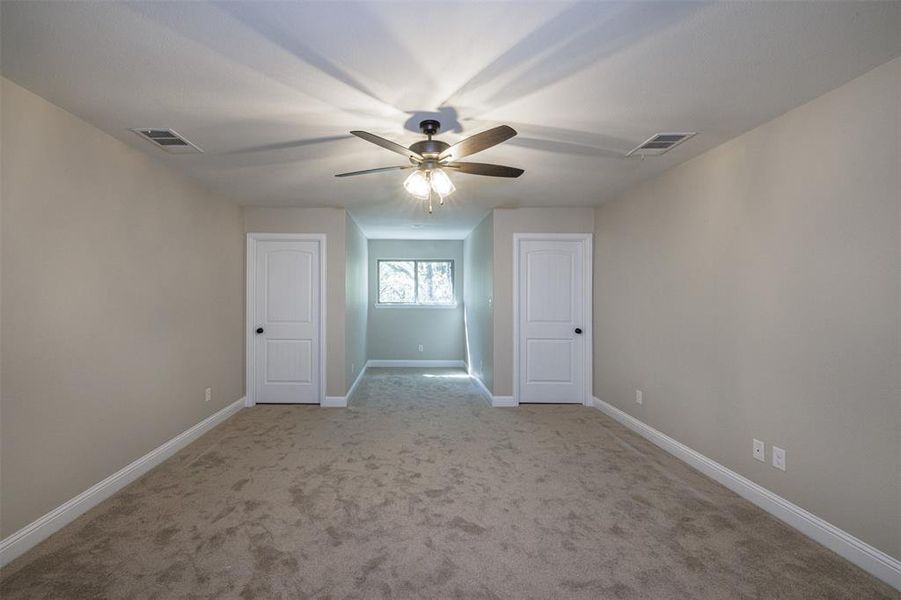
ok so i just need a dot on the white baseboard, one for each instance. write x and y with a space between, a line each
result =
353 387
503 402
415 363
870 559
341 401
32 534
494 401
481 385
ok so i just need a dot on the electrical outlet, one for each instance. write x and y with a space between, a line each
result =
207 394
759 451
420 347
639 397
779 458
353 367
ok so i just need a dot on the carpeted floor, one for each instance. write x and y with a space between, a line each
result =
420 490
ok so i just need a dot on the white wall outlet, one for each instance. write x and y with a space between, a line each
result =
207 394
779 458
639 397
759 451
420 347
353 367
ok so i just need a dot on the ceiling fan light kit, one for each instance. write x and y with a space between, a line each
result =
421 183
441 183
417 185
430 159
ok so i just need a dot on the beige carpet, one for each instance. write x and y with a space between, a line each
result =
419 490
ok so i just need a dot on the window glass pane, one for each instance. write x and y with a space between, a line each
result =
397 283
436 282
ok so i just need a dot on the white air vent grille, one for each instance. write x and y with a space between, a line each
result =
659 143
167 139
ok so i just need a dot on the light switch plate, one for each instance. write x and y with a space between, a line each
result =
779 458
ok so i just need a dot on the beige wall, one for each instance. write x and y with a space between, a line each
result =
508 221
331 222
122 300
754 292
396 333
356 292
478 294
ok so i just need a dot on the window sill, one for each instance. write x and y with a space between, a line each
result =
408 306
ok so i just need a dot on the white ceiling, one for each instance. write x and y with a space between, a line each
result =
270 90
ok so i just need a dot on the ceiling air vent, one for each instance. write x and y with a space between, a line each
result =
167 139
659 143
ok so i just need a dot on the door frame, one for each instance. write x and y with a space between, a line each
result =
587 305
250 305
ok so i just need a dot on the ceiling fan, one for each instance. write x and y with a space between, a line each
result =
431 157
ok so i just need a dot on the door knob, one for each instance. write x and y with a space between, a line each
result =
259 330
578 330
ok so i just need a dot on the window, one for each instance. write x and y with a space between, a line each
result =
422 282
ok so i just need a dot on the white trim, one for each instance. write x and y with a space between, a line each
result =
356 382
870 559
384 305
494 401
252 239
587 255
416 363
503 402
37 531
341 401
483 389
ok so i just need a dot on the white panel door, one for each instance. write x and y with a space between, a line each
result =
552 300
286 322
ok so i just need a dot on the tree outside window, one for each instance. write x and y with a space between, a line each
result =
425 282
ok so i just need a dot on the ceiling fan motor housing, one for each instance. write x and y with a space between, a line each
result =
429 148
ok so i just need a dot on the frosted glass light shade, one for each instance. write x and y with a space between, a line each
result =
441 183
417 184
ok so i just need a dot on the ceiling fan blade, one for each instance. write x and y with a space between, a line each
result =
388 144
379 170
485 169
478 142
